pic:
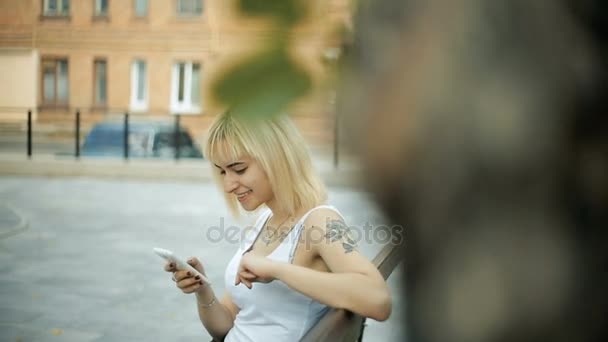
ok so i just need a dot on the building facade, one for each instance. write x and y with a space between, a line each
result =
145 57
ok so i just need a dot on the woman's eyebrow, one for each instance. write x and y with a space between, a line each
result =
230 165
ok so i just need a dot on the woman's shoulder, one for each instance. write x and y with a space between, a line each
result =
322 217
320 223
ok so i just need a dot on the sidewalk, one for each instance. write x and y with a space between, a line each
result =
346 174
11 222
84 270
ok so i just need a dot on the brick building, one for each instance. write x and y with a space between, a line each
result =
147 57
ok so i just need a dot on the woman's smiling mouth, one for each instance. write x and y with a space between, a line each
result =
243 196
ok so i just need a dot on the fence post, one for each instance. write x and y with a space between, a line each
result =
176 137
29 133
126 137
77 133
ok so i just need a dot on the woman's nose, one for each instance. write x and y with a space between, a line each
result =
230 183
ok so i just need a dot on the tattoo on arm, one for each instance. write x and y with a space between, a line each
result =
337 230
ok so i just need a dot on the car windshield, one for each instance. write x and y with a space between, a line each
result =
167 139
145 140
111 137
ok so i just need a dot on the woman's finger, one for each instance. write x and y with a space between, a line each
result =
248 275
193 287
238 279
180 275
194 262
188 282
246 283
170 267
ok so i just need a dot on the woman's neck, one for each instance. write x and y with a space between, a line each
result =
279 216
277 212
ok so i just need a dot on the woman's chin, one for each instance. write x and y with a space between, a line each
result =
249 207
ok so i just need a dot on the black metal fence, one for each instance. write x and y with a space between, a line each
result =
75 124
164 139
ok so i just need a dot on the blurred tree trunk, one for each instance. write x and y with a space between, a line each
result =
483 129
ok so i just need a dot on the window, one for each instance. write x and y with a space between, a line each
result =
101 8
56 7
55 88
100 67
189 7
141 8
139 86
186 88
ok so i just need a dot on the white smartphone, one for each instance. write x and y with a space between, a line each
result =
179 263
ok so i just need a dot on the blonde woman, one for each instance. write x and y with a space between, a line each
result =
300 260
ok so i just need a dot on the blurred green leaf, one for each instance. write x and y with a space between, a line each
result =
262 86
288 11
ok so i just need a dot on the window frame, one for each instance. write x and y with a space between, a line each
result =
59 12
55 103
147 12
96 102
101 16
136 104
186 106
195 13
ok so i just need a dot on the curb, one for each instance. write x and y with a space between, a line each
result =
166 170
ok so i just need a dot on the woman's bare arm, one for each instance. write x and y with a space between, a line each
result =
217 316
354 283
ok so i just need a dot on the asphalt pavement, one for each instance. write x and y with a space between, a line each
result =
77 264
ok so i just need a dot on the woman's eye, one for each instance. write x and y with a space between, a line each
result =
222 172
241 171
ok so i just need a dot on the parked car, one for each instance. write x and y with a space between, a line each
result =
146 140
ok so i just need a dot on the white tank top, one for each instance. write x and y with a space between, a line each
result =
273 311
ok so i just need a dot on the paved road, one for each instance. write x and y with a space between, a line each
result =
84 269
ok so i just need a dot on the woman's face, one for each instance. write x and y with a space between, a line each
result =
245 179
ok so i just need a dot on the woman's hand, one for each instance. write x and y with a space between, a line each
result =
185 280
255 268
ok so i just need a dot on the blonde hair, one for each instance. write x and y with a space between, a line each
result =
278 147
